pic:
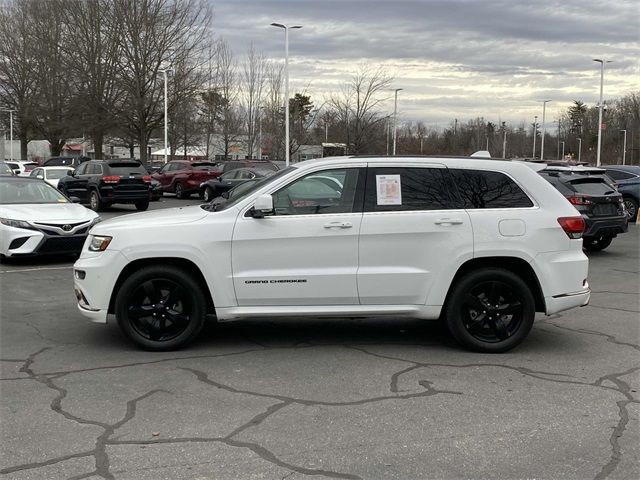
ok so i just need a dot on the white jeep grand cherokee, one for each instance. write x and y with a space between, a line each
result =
483 244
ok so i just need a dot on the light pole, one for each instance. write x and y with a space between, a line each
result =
286 86
562 150
504 140
166 112
10 132
544 108
535 134
579 148
624 147
395 118
600 106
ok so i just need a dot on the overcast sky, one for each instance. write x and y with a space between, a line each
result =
453 58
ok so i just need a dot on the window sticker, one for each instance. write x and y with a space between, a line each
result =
388 190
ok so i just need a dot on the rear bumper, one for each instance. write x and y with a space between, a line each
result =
560 303
112 195
611 226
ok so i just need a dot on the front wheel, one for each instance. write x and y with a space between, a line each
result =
142 205
597 244
490 310
160 308
632 208
208 194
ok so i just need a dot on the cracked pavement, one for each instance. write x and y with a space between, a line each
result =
294 399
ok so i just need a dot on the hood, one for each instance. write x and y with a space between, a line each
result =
47 212
156 218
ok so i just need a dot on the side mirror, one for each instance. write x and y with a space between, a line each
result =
74 199
263 206
71 173
41 177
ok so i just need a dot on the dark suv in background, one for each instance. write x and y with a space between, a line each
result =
627 178
65 161
101 183
596 198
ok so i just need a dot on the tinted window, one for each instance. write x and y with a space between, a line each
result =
14 166
82 169
592 186
204 166
409 188
58 162
618 175
308 196
126 169
557 183
484 189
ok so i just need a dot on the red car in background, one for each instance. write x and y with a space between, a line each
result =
183 177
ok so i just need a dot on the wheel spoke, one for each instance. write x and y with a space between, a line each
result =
140 311
177 318
477 322
173 297
512 308
151 291
474 302
499 328
154 330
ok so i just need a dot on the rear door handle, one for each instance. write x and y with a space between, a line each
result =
338 225
448 221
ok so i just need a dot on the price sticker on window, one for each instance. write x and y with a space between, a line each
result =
388 190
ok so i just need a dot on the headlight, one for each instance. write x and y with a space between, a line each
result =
99 243
16 223
96 220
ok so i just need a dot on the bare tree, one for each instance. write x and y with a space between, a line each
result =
253 79
230 119
155 35
273 115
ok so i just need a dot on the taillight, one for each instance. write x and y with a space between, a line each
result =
146 178
578 200
111 179
572 226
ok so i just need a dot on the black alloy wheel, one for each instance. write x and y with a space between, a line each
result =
179 191
160 308
632 208
490 310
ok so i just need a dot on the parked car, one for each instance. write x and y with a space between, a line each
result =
184 178
216 187
627 178
595 197
101 183
22 167
73 162
156 190
6 170
234 193
235 164
482 243
36 219
51 175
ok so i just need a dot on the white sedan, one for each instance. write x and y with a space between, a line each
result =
51 175
36 219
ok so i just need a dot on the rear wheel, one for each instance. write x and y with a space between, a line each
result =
208 194
160 308
142 205
96 204
490 310
180 193
632 208
597 244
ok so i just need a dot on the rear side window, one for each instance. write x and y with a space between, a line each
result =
59 162
592 186
619 175
485 189
391 189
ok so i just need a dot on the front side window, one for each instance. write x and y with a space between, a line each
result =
35 173
392 189
82 169
311 196
486 189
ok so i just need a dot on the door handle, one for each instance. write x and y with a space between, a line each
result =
338 225
448 221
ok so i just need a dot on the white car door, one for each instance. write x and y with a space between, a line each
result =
306 253
412 233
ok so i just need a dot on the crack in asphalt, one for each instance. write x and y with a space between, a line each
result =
610 338
612 308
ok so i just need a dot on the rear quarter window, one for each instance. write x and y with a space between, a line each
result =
487 189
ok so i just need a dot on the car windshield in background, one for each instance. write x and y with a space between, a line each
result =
592 186
53 174
254 186
126 169
16 192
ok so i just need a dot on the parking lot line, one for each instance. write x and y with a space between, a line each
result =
36 269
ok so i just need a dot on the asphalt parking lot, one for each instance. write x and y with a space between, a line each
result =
297 399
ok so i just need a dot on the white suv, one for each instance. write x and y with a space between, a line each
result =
483 244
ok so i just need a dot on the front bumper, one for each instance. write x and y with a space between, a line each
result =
19 242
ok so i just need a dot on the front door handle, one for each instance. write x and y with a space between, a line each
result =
338 225
448 221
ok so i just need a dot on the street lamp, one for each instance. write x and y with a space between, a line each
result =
11 131
544 107
601 61
166 112
286 85
579 148
535 134
562 158
395 118
624 147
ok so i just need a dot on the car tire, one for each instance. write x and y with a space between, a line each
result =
95 203
161 308
597 244
632 208
208 194
180 193
142 205
490 310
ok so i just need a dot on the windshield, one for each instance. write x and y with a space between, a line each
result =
257 185
15 192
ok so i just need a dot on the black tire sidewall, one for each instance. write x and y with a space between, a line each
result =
189 285
98 204
179 190
635 204
142 205
601 243
208 194
454 309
